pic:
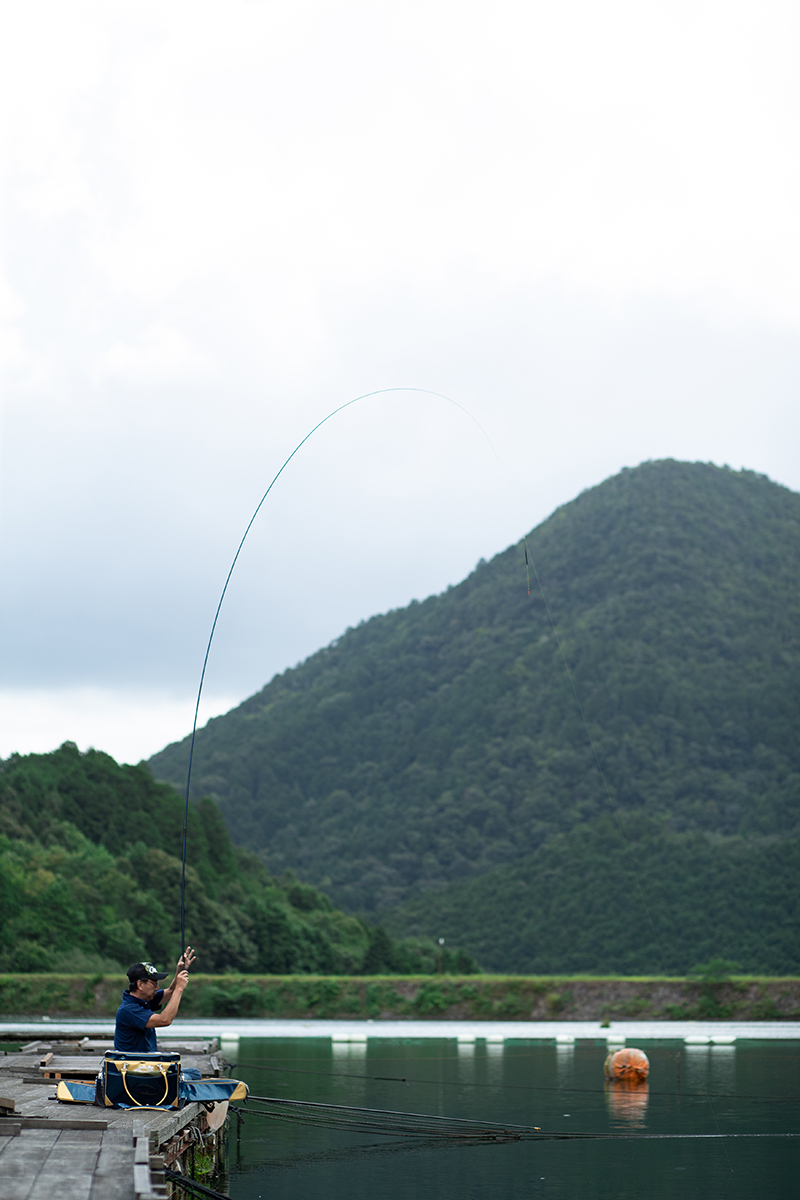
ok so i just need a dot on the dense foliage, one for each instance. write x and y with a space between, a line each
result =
629 897
90 878
443 742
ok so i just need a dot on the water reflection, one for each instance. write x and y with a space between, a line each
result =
494 1061
565 1063
696 1063
229 1049
350 1057
723 1069
626 1100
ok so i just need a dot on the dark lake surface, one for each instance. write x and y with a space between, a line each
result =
751 1088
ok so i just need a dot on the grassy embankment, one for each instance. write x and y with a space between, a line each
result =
492 997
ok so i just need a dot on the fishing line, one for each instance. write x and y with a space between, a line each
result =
300 444
352 1119
524 1087
605 781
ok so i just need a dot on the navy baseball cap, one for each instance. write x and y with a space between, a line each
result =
145 970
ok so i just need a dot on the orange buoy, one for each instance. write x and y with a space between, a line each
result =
627 1063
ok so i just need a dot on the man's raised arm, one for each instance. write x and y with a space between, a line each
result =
159 1020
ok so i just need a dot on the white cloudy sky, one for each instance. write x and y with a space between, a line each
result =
221 220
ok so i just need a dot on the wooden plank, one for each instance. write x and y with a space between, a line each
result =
142 1184
38 1141
81 1137
87 1124
113 1175
22 1160
88 1064
161 1127
68 1168
15 1064
74 1160
23 1093
66 1185
17 1187
46 1105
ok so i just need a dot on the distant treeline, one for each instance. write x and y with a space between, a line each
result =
440 997
90 881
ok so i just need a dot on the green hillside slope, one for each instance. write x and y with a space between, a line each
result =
631 898
90 879
439 742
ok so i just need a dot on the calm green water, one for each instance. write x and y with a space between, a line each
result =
754 1088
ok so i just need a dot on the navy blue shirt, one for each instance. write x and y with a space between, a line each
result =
131 1035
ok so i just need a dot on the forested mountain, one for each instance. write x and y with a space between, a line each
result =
90 880
442 740
628 897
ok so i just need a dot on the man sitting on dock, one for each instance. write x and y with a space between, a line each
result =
137 1016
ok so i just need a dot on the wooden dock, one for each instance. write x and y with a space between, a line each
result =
55 1151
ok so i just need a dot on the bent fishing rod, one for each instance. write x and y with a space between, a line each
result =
250 523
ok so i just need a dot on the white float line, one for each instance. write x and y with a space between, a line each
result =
231 1042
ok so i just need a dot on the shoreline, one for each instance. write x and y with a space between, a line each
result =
350 1034
483 998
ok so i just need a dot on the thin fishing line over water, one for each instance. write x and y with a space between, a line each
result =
354 1119
527 1087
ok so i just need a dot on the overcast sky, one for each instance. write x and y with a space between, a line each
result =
222 220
